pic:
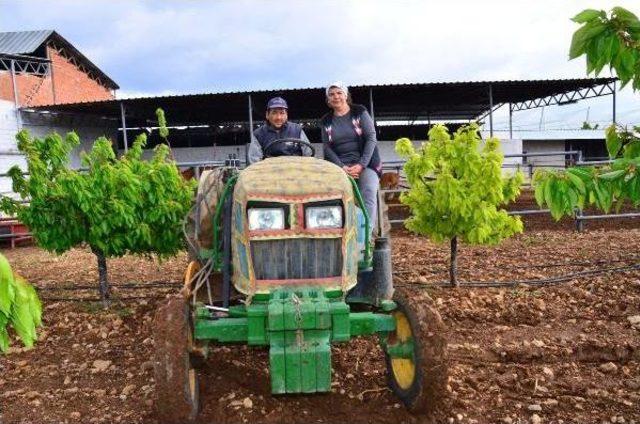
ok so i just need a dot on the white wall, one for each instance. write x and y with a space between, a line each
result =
40 125
511 147
88 129
508 147
388 153
544 146
9 155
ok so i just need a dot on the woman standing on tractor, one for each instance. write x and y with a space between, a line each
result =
349 141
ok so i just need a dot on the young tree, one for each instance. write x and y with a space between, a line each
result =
457 188
20 307
118 206
612 40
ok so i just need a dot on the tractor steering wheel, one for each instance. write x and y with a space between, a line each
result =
294 141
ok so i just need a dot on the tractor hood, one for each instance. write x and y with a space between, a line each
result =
293 177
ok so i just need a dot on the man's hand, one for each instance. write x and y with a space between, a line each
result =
351 171
357 170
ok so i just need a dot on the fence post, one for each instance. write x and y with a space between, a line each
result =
579 220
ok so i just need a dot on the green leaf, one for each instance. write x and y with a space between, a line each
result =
582 42
613 142
588 15
578 42
21 317
632 149
577 182
539 193
548 193
573 203
613 175
35 306
624 15
4 339
7 291
582 173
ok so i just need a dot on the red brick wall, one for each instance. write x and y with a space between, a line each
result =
71 85
6 90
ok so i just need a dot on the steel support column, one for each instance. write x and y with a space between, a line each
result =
373 115
490 110
510 122
124 127
246 153
16 100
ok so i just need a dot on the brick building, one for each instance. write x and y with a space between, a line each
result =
41 68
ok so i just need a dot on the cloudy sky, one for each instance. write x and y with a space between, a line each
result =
176 47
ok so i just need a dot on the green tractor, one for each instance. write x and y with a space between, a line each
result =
282 258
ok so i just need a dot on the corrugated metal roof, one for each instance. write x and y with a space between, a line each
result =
392 102
27 42
22 42
573 82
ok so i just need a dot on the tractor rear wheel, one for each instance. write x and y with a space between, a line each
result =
177 391
416 353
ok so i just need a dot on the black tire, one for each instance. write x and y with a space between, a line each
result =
177 389
422 390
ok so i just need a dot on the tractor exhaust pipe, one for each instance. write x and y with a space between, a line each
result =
382 269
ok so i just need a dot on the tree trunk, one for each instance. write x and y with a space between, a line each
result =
453 268
104 282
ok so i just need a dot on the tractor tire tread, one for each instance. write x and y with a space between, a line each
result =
172 363
430 349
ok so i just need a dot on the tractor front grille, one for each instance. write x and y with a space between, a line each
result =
296 258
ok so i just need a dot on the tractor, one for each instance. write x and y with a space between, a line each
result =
283 256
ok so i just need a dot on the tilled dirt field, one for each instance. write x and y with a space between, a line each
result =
555 353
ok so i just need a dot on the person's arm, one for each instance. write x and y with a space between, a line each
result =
370 141
255 151
329 154
306 151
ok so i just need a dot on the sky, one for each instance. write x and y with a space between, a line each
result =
180 47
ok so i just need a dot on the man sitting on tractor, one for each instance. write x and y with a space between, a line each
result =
277 128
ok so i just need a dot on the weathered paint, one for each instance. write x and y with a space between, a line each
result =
292 181
298 326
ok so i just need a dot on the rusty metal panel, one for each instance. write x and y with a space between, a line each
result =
296 258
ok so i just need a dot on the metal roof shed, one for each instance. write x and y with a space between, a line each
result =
449 101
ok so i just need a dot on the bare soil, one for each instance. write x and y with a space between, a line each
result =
556 353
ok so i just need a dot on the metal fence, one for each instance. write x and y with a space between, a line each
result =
571 158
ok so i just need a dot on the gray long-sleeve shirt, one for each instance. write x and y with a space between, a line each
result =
256 154
342 131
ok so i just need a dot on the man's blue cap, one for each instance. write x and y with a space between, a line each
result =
277 102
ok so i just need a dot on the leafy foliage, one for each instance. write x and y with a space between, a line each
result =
605 187
118 206
20 307
457 187
612 40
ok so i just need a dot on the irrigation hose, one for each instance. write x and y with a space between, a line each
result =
538 282
202 277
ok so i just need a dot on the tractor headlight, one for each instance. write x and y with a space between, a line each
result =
324 217
266 219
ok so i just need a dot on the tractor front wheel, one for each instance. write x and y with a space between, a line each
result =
176 379
416 353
